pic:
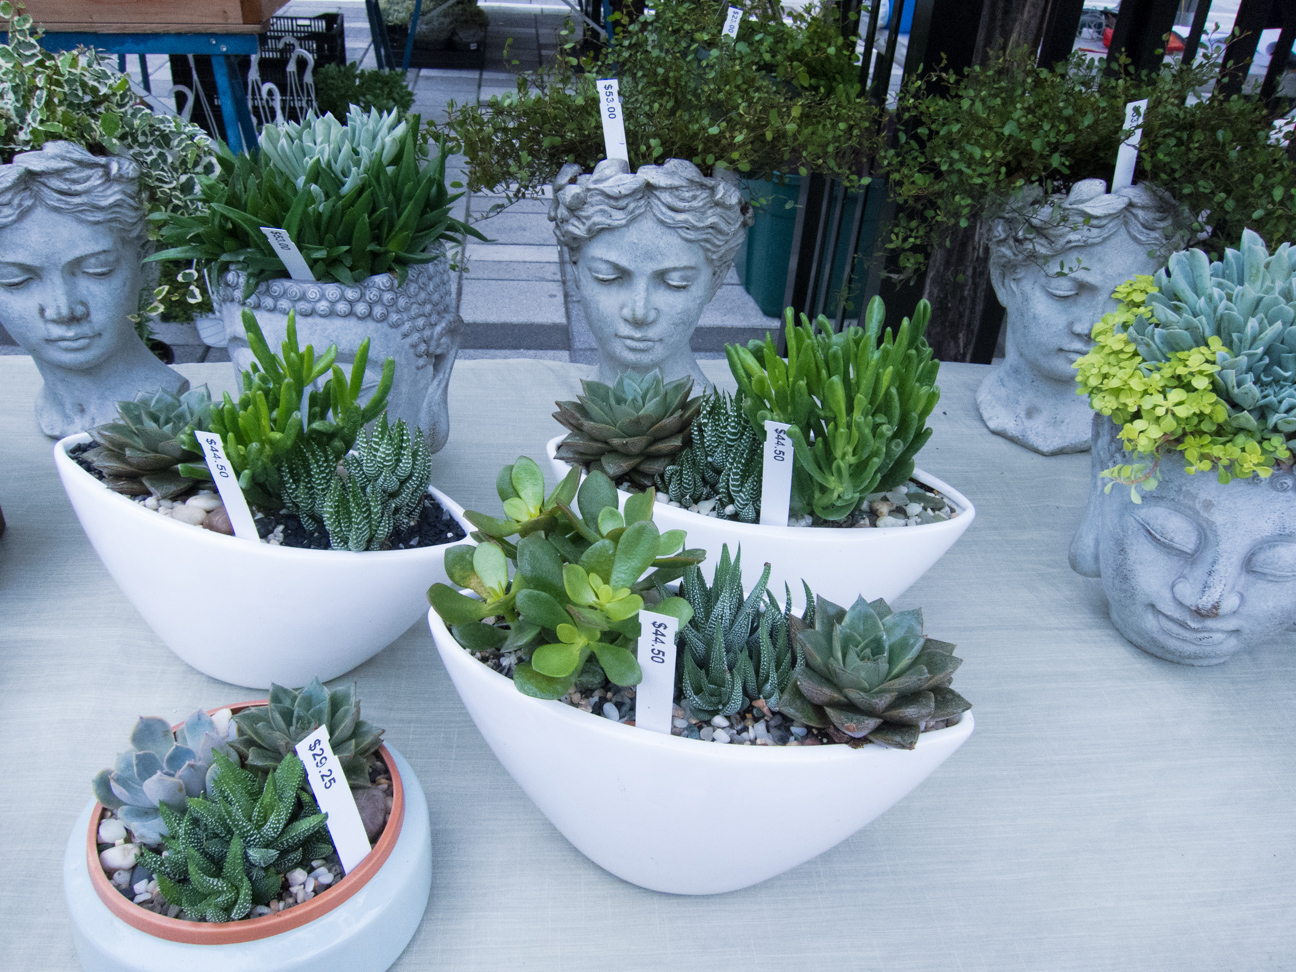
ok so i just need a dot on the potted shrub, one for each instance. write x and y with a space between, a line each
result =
861 688
857 403
205 845
369 213
1192 380
357 499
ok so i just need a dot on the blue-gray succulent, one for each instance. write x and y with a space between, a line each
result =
1248 301
161 767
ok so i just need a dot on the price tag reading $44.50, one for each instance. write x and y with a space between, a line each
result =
227 485
614 137
655 695
776 478
732 21
287 251
328 783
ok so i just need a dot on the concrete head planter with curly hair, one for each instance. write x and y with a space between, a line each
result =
72 240
649 252
1054 262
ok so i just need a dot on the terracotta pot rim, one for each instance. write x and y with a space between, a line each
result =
201 536
248 929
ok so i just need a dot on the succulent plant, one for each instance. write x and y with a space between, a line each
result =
161 769
857 402
228 852
140 454
306 474
722 462
869 674
1247 301
631 429
268 734
343 148
381 488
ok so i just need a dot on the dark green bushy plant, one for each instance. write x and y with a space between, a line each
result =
338 86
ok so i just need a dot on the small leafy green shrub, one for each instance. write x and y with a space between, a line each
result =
566 595
339 86
869 673
857 402
784 98
1200 360
73 97
1010 124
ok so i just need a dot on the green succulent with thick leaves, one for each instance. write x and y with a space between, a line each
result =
857 402
141 453
269 734
869 673
630 430
229 850
722 462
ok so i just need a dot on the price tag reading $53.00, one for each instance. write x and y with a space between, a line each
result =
776 478
287 251
655 695
227 485
614 137
328 783
732 21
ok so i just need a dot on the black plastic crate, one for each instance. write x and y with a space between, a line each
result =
323 37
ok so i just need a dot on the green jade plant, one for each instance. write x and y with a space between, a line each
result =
566 595
857 402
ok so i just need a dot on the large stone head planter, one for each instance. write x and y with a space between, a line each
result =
649 251
71 244
1198 570
1054 263
415 323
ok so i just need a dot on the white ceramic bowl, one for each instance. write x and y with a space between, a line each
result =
366 933
251 613
644 811
838 564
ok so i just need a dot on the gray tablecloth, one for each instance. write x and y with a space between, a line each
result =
1111 811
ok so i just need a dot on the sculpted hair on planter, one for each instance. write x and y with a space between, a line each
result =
67 179
706 210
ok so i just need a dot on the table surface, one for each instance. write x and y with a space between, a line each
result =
1111 811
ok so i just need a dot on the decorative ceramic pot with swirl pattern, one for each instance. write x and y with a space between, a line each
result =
415 323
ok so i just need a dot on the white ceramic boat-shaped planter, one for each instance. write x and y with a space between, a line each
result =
291 613
360 924
837 564
636 822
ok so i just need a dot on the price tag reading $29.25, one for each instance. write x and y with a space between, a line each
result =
329 784
614 137
776 478
732 21
655 695
227 485
287 251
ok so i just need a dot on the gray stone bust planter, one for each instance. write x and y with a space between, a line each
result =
1054 263
415 323
1198 570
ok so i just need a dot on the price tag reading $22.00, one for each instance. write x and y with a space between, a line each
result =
227 485
655 695
287 251
614 137
776 478
329 784
732 21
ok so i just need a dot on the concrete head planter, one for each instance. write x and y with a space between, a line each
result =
1196 542
71 244
1054 263
414 323
649 252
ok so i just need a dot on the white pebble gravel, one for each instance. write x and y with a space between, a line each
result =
112 830
720 722
296 877
192 515
118 857
204 501
720 736
610 711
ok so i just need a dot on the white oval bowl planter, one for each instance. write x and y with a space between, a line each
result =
365 933
290 614
632 818
839 564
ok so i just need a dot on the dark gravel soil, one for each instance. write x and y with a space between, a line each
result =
434 526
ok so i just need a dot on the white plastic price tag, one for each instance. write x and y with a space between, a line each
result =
655 695
776 477
227 485
287 250
1128 153
732 21
614 137
328 783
